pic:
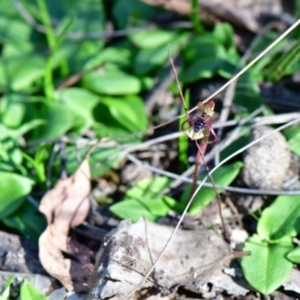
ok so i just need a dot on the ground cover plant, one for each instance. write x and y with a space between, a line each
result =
91 112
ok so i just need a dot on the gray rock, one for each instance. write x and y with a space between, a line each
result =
267 162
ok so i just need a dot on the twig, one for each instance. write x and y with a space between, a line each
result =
182 178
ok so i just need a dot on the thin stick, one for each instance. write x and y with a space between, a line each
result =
178 84
224 229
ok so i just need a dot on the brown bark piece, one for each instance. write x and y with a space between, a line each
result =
190 259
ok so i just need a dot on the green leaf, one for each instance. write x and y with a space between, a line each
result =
153 38
149 59
281 219
149 207
12 110
285 64
266 269
28 291
207 68
294 255
82 103
203 47
247 93
117 55
293 136
28 221
224 34
148 187
222 176
101 159
127 112
19 73
5 293
143 199
13 29
13 189
111 82
58 120
132 209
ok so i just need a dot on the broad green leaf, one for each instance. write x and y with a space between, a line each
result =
28 291
58 120
203 47
267 268
132 209
281 219
28 221
13 29
81 102
127 112
294 255
20 72
149 207
119 56
222 176
149 59
111 82
13 189
153 38
148 187
207 68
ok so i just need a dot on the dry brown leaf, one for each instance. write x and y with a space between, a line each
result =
190 259
75 273
66 205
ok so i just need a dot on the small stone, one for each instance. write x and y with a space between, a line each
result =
267 162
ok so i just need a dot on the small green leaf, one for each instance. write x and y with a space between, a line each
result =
28 291
266 269
224 33
152 38
148 187
222 176
12 110
294 255
148 206
281 219
111 82
13 189
132 209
